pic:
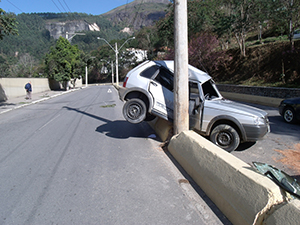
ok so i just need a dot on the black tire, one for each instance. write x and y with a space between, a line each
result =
149 117
134 110
289 115
226 137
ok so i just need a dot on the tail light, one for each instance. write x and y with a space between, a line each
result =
125 81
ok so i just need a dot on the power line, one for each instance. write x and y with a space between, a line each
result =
67 6
62 5
56 6
15 6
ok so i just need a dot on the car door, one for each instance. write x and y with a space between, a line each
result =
195 106
161 88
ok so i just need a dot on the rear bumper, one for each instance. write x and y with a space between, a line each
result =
121 91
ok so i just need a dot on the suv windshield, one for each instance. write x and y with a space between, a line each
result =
209 91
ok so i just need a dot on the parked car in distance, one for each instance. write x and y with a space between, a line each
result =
296 34
148 93
289 109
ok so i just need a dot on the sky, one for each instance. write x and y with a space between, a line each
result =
94 7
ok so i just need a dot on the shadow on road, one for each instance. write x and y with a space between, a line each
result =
3 103
245 146
120 129
278 126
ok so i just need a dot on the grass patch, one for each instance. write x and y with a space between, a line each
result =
108 106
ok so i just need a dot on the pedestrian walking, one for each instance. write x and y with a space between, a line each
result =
28 89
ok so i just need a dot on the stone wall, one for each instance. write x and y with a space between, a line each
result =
272 92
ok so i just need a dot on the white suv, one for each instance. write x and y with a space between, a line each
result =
148 92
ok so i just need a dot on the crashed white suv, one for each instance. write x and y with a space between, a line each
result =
148 92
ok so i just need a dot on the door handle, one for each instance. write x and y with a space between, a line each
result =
154 84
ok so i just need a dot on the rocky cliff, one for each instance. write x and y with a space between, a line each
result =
68 28
129 17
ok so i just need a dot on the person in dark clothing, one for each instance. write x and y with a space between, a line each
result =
28 88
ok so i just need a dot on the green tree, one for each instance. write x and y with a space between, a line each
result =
199 19
8 24
147 39
237 17
286 15
64 62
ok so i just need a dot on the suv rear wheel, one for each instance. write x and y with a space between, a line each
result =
226 137
134 110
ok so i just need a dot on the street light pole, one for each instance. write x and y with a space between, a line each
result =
73 35
116 50
112 72
117 64
112 69
86 71
86 76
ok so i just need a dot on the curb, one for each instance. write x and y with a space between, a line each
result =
242 194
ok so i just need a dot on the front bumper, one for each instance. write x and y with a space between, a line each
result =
256 132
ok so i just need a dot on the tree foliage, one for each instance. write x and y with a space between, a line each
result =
8 24
64 61
234 19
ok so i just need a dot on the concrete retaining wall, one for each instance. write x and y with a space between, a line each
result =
272 92
261 100
269 96
242 194
14 87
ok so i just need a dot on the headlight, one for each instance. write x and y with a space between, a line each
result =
259 121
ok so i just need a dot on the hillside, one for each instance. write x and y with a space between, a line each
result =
138 13
37 30
270 64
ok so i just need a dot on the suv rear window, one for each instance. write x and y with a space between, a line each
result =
149 72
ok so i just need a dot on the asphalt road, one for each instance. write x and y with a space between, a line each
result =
280 148
73 159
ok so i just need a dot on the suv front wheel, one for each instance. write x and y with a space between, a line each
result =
289 115
226 137
134 110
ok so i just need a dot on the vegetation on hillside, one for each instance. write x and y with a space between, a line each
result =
239 32
242 42
7 24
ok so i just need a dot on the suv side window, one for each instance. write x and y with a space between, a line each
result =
193 90
149 72
165 78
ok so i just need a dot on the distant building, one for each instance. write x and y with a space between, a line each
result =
139 54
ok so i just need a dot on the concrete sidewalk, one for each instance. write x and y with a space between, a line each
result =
19 102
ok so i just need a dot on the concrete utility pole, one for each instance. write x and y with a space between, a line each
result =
181 98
